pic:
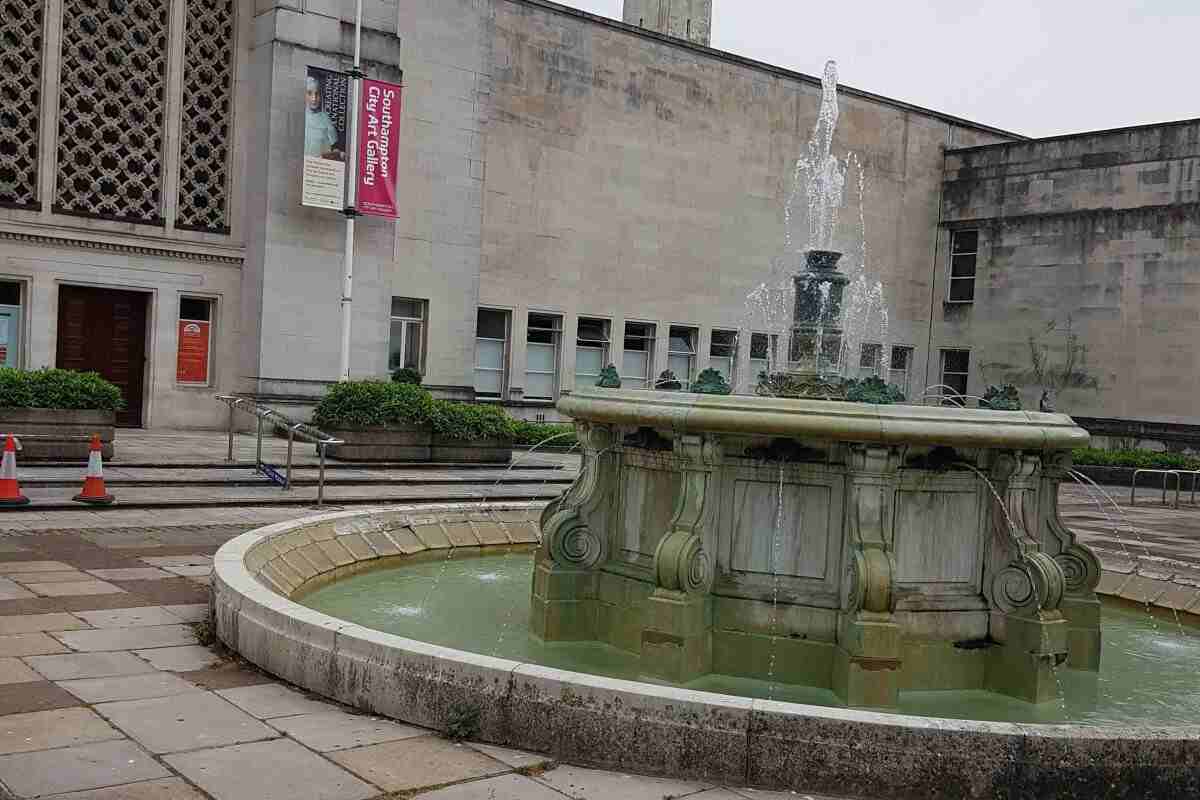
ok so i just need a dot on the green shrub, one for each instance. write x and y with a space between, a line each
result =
873 390
58 388
470 421
372 403
1136 459
532 433
407 375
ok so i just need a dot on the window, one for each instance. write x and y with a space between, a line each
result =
722 354
870 361
900 372
10 324
638 357
762 353
964 255
956 367
194 356
405 345
681 353
541 356
491 344
591 351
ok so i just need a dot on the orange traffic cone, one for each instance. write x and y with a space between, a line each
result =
10 490
93 485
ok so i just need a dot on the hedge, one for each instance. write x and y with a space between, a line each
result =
534 433
368 404
1136 459
59 389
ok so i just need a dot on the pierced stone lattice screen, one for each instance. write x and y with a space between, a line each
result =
20 98
207 80
110 123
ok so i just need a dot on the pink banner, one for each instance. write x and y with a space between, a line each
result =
378 150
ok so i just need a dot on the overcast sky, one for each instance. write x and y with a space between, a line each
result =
1037 67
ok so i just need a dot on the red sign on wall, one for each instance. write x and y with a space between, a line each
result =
378 148
192 364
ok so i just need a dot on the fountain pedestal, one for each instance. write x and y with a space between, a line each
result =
863 549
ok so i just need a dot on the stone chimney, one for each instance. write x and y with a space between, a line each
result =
684 19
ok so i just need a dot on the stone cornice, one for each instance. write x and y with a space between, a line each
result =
178 251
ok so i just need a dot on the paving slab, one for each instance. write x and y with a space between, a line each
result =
31 623
197 560
591 784
29 644
128 687
191 612
71 666
44 730
180 659
72 588
227 675
71 769
185 722
19 698
128 638
162 789
10 590
276 770
171 591
339 730
140 617
273 700
417 763
68 576
191 571
517 759
130 574
505 787
8 567
14 670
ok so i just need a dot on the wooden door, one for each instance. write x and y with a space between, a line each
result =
104 331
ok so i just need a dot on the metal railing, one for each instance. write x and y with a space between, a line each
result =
293 429
1166 473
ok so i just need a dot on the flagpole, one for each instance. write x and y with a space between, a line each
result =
352 194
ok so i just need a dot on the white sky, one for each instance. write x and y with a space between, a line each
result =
1037 67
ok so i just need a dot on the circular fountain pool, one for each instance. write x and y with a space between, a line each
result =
479 603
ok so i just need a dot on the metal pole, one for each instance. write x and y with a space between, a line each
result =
321 476
352 193
258 452
229 457
287 484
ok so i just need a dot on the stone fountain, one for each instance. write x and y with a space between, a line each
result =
865 549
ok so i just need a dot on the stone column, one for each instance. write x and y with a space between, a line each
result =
1024 587
1081 568
867 661
574 544
677 622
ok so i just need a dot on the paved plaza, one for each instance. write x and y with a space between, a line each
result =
107 693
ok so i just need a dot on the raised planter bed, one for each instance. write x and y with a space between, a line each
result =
415 443
52 434
484 451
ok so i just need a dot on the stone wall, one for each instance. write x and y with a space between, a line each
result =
1099 232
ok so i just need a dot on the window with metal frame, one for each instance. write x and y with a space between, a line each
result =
491 353
870 360
542 339
722 354
637 359
406 346
762 353
964 259
681 353
956 369
591 351
900 371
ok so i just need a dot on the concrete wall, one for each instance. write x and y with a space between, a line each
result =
1098 231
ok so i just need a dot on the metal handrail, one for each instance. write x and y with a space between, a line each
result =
279 421
1165 473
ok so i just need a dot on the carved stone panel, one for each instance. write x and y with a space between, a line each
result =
21 24
205 126
939 538
110 124
789 538
647 503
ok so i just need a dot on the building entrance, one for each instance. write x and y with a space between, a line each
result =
104 331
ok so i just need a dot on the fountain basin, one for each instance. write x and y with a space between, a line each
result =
630 725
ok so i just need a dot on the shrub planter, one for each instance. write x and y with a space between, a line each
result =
54 434
482 451
390 443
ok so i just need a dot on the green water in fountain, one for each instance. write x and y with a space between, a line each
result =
480 603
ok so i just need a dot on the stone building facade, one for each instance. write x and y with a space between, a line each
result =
575 191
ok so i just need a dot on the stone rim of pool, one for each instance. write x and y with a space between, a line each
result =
628 725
